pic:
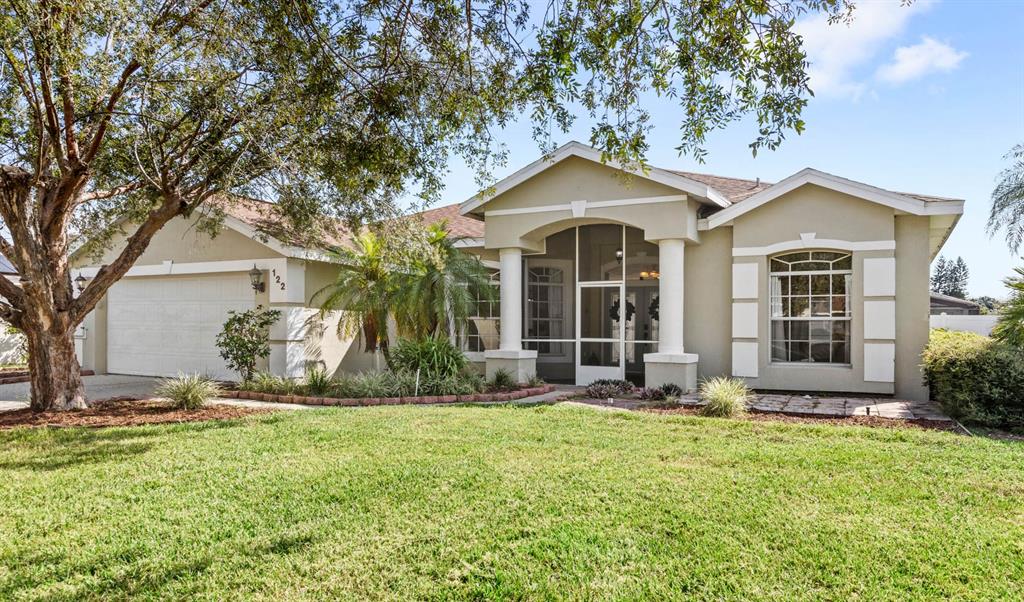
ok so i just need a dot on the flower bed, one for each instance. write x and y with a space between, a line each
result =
386 401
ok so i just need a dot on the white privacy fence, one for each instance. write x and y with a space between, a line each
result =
979 324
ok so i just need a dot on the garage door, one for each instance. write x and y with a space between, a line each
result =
166 325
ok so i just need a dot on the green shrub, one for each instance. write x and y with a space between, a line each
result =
188 391
246 338
318 382
603 388
975 379
724 396
264 382
535 381
671 390
651 394
433 357
502 380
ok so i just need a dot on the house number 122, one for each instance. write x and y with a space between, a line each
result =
277 278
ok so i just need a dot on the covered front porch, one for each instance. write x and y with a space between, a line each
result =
592 260
599 301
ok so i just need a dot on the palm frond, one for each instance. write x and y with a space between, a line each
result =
1007 212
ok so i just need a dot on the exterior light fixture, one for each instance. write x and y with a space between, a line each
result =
644 275
618 255
80 283
256 278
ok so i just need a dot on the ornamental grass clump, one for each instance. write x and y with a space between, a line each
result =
188 391
651 394
318 382
606 388
502 380
724 397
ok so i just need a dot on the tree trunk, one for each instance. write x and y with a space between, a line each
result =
53 367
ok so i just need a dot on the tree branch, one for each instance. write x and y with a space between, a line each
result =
136 245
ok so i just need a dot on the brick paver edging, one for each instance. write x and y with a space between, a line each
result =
24 378
388 401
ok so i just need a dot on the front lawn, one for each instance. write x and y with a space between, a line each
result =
541 502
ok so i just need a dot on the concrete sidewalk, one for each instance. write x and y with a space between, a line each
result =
101 386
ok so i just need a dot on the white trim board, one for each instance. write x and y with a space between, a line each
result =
170 268
577 149
815 243
579 208
900 202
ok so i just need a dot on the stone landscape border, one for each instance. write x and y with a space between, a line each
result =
389 401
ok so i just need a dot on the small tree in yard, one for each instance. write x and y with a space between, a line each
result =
246 338
117 117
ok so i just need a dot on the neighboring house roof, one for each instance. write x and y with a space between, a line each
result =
949 301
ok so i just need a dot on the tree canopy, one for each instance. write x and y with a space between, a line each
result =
950 277
120 116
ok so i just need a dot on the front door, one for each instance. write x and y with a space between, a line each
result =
599 348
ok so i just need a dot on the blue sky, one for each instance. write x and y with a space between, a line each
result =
926 98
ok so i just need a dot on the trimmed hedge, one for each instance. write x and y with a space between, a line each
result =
975 378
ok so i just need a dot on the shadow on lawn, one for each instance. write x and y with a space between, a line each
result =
56 449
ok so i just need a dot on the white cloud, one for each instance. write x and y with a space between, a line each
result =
912 62
835 51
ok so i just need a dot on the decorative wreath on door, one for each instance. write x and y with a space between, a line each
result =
613 311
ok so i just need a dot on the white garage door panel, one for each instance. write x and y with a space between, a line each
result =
163 326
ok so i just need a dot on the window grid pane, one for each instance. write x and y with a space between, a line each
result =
810 311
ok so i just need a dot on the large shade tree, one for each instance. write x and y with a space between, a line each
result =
120 116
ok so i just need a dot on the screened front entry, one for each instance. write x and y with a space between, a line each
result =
590 304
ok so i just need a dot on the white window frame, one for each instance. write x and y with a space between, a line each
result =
773 277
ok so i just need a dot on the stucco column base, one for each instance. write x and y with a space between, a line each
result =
521 364
676 368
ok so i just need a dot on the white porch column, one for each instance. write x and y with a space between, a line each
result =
511 280
671 364
510 355
670 295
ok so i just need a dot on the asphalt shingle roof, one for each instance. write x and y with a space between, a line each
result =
259 214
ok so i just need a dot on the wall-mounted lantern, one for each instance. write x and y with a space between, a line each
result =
256 278
80 283
618 255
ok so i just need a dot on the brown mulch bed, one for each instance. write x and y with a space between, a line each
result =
123 412
872 421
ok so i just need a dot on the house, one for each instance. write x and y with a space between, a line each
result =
953 306
813 283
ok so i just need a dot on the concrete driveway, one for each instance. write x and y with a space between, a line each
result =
101 386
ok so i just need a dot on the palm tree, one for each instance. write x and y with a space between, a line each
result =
1008 201
441 290
424 283
364 291
1010 327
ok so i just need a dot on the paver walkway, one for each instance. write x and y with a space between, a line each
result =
840 406
818 405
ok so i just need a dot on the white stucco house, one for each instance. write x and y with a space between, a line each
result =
813 283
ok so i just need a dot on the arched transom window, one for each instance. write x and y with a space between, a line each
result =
810 307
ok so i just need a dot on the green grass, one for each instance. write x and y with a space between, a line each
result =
541 502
